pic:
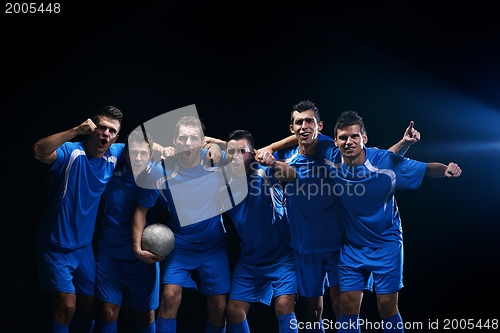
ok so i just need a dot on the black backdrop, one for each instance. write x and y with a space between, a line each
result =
244 65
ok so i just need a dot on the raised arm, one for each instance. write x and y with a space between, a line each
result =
410 136
439 170
219 142
138 225
282 171
44 149
214 151
290 141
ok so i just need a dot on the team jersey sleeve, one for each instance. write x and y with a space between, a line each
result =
63 153
326 147
150 192
409 173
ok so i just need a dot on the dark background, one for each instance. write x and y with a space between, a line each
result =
244 64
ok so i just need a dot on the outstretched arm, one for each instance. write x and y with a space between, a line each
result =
290 141
282 171
214 152
44 149
138 225
438 170
219 142
410 137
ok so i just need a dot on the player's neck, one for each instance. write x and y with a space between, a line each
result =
92 151
189 165
355 160
309 149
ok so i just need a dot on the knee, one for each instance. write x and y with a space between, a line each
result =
387 307
108 314
145 318
64 310
349 303
314 311
171 297
217 305
284 306
235 313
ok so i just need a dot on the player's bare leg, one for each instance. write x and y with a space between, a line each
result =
284 304
335 297
387 305
64 307
171 298
237 311
217 310
284 307
314 310
350 305
145 318
109 312
389 312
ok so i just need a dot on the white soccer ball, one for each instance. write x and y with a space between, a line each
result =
157 238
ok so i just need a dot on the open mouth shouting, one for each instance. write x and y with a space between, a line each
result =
103 142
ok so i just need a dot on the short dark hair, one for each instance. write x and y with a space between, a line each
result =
140 135
349 118
241 134
304 106
191 121
110 112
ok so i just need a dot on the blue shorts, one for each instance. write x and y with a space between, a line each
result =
259 283
212 266
69 271
140 279
315 272
358 264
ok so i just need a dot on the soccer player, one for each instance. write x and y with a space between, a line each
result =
188 186
117 267
79 173
314 209
374 244
265 268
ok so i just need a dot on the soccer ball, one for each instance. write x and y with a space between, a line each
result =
157 238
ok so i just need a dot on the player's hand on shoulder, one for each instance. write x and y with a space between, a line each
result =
453 170
86 127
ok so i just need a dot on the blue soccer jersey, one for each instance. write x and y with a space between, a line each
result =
260 219
77 182
367 192
312 205
119 201
190 194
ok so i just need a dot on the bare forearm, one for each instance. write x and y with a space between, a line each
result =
44 149
287 142
400 147
435 170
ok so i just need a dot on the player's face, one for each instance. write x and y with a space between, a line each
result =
188 144
138 156
305 127
105 134
350 141
240 156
